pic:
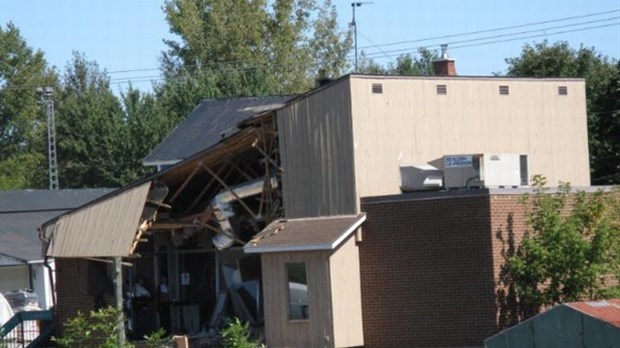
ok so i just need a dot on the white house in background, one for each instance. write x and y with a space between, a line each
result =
21 213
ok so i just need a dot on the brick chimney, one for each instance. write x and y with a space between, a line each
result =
444 66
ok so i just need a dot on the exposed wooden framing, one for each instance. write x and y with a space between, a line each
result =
254 145
187 180
96 259
245 206
138 237
169 225
263 195
206 188
217 230
243 173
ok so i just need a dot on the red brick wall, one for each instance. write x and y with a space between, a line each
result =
508 226
428 273
72 289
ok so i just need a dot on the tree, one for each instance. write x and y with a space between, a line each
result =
90 133
23 128
145 126
571 251
246 48
405 65
601 75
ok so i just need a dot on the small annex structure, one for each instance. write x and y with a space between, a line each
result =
203 226
568 325
311 281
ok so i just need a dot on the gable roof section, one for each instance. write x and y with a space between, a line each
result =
319 233
605 310
23 211
207 124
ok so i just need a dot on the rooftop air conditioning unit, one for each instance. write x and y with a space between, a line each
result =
490 170
420 177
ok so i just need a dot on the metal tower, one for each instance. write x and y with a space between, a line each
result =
47 95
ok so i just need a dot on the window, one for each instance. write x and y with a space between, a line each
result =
377 88
442 89
297 282
563 90
504 90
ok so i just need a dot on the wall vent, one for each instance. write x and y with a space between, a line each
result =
563 90
377 88
504 90
442 89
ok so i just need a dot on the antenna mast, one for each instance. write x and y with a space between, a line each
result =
47 96
354 25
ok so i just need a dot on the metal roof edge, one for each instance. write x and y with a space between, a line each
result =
286 248
249 249
466 77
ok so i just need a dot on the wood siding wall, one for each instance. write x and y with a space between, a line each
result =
317 154
346 293
101 229
280 332
409 123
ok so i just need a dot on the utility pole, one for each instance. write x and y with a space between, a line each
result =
354 25
47 96
118 296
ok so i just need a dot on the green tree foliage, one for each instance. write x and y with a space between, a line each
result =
23 150
145 125
601 75
89 128
571 251
405 65
101 139
248 48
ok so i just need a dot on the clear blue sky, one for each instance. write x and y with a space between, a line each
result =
127 34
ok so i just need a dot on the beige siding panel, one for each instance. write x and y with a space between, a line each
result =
410 124
317 154
102 229
280 332
346 295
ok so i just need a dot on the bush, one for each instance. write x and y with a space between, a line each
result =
571 251
237 335
98 329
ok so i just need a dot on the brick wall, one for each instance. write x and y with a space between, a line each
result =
507 226
72 289
431 269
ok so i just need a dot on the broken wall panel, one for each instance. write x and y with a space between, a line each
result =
104 228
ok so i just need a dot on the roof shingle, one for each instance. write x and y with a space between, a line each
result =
207 124
319 233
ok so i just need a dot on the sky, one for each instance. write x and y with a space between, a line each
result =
125 37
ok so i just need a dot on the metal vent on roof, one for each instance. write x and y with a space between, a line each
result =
442 89
377 88
563 90
504 90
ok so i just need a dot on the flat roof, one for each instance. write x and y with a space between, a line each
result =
459 193
304 234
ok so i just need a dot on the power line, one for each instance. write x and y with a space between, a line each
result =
390 53
496 29
408 41
502 35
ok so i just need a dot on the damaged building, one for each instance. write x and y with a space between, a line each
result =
259 210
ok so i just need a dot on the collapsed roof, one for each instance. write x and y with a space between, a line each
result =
207 124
